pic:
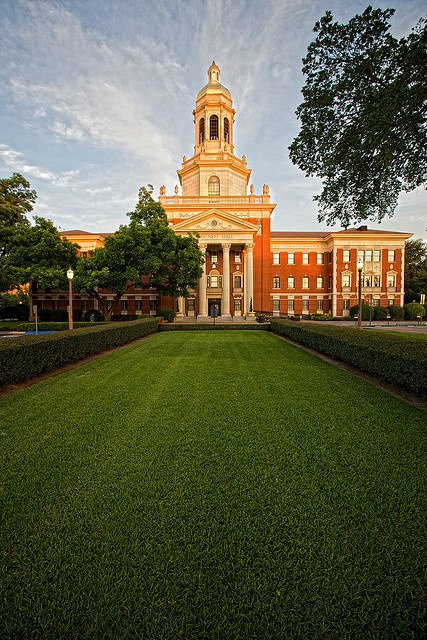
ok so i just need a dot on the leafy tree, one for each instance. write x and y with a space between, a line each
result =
147 246
415 269
363 127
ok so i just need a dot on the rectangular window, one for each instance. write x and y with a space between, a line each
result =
237 282
319 282
346 255
290 305
391 255
346 280
368 255
305 305
291 282
237 257
276 305
305 283
237 304
305 258
124 305
377 255
213 282
346 304
190 304
276 282
291 258
153 305
84 305
360 256
214 257
276 258
368 281
320 258
331 257
391 280
319 305
377 281
329 282
138 305
376 302
390 302
55 304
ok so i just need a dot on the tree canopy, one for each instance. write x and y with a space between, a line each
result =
415 269
363 122
147 246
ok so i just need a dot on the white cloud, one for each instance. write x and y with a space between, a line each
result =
14 160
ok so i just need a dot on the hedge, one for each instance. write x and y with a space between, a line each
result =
48 326
194 326
397 359
26 357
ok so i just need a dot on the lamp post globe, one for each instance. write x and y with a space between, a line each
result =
70 275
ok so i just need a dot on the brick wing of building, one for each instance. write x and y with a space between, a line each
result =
248 267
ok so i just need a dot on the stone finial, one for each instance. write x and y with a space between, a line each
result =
184 159
162 190
176 189
244 158
266 189
252 188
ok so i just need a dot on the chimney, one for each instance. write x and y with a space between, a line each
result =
363 228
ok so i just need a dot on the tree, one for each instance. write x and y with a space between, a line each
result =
147 246
363 127
415 269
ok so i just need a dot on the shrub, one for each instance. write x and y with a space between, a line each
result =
59 315
26 357
15 312
168 314
396 313
414 309
119 318
204 326
366 311
380 313
77 315
97 316
44 315
398 359
320 316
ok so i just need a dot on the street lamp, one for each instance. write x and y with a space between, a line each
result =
359 281
70 276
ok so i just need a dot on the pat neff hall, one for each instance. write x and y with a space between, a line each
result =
248 267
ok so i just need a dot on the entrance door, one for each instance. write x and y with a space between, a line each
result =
214 307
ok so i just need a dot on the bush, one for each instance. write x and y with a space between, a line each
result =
366 311
380 313
15 312
168 314
396 313
44 315
414 309
398 359
120 318
204 326
320 316
77 315
97 316
26 357
59 315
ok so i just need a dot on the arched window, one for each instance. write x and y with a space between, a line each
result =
201 130
213 128
226 130
213 186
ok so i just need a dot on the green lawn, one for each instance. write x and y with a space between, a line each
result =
211 485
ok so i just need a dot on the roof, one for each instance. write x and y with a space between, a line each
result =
79 232
325 234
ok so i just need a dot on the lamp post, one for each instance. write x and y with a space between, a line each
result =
359 281
70 275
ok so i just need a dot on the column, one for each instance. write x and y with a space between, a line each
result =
334 282
181 306
225 311
249 278
202 287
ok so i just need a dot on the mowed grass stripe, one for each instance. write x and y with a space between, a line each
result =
212 485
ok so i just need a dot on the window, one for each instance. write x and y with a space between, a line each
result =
276 258
391 255
226 130
124 305
214 282
390 302
276 282
201 130
84 305
320 258
213 186
55 304
376 302
319 282
291 258
346 280
305 305
331 256
290 305
237 304
213 128
237 282
214 257
305 282
190 304
377 281
346 255
391 280
291 282
138 305
346 304
276 305
329 282
237 257
360 256
368 281
305 258
368 255
153 305
152 282
319 305
377 255
138 285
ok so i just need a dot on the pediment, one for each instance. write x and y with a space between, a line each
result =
215 220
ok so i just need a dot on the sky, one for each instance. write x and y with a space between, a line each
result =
96 99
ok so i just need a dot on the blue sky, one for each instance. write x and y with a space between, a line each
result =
96 99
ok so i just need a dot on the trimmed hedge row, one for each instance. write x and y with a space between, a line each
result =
48 326
26 357
194 326
398 359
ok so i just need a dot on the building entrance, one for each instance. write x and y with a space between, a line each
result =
214 307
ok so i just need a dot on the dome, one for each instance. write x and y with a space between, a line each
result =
214 86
